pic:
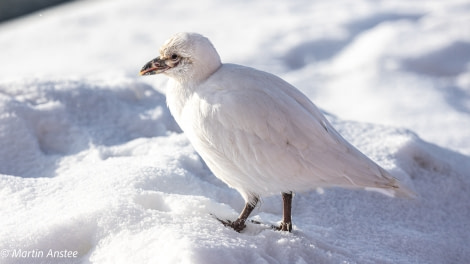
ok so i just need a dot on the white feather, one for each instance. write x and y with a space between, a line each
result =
256 132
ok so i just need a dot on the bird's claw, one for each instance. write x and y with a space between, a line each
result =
237 225
284 227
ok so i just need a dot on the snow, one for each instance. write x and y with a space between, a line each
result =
92 162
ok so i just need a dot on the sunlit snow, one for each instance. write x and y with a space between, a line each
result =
94 169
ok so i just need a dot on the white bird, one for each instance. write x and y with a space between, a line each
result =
256 132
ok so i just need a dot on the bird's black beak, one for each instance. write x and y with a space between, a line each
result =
154 66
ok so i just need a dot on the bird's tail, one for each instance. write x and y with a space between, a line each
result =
394 187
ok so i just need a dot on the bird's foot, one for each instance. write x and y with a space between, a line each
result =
282 227
237 225
285 227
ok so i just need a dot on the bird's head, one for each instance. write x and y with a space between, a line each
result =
185 57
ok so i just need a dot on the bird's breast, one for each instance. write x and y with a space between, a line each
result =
179 100
191 112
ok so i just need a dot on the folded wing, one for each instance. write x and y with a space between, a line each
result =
280 137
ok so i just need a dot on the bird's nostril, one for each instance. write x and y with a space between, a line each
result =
147 65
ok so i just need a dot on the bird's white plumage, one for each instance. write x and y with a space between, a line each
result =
258 133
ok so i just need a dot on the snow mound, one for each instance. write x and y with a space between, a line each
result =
103 170
47 120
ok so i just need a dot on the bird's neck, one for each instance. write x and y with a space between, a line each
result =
182 88
177 95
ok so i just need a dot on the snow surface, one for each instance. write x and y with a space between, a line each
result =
91 160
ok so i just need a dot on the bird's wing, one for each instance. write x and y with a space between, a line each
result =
271 131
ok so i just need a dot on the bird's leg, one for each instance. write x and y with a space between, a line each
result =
239 224
286 224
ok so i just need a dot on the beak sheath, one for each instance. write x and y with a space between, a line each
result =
154 66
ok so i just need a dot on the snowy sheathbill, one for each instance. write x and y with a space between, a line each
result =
256 132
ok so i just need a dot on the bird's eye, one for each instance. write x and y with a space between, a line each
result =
174 56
